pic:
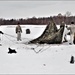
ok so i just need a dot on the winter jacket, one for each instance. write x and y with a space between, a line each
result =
18 29
72 28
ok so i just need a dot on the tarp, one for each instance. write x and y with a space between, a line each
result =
51 35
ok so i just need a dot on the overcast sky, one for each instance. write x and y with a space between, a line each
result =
27 9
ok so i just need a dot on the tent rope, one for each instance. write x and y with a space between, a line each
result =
40 50
34 49
10 39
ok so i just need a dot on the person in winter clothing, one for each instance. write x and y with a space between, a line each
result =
65 31
1 33
18 32
72 32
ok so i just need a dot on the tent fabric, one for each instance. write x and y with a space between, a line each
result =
51 35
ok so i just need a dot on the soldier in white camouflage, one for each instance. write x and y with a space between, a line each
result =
72 32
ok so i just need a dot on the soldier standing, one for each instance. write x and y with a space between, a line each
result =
72 32
18 32
1 33
64 37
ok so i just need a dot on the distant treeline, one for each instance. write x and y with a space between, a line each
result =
38 21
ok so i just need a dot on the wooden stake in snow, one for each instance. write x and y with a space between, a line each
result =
72 60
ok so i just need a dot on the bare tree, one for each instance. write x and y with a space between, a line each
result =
68 14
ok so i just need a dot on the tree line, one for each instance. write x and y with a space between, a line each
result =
38 21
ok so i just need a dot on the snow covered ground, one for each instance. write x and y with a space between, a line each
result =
33 58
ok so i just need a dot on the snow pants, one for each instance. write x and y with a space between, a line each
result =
18 36
71 38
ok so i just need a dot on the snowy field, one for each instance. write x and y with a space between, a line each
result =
33 58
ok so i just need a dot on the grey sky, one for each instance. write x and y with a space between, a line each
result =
26 9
